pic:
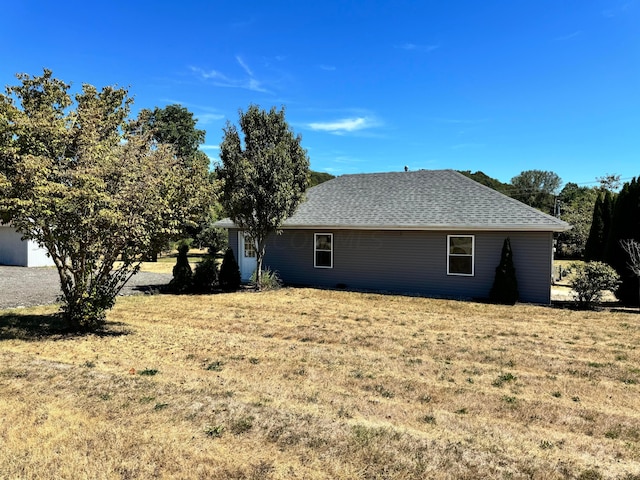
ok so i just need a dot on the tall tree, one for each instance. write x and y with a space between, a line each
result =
175 125
632 249
90 186
594 248
625 225
264 180
609 182
576 206
537 188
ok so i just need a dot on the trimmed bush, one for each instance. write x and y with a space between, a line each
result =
205 276
182 274
229 272
505 284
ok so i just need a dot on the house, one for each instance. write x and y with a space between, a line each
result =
18 252
429 232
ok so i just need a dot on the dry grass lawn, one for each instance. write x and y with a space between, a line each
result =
303 383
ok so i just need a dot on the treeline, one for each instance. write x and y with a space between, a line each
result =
541 189
616 218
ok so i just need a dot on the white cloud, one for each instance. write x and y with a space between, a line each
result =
208 114
328 68
221 80
209 147
418 48
208 117
244 66
211 74
344 125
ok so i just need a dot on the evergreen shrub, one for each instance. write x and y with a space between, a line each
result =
229 272
505 284
182 274
205 276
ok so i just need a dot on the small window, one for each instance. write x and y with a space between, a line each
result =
249 247
460 254
323 247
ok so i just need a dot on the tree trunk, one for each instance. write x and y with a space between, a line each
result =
260 249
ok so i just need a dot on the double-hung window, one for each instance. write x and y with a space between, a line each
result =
323 250
460 255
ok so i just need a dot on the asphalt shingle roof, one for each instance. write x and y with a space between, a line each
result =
422 200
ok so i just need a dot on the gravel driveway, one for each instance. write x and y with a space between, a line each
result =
26 287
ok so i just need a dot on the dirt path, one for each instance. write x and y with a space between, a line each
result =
26 287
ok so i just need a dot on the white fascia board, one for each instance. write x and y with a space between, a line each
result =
431 228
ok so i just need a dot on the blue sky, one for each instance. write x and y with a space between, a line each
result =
497 86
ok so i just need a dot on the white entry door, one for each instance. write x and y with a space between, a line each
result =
247 253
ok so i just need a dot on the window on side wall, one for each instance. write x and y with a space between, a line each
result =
460 255
323 250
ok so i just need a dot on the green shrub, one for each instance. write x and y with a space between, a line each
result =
205 276
89 311
591 280
182 275
505 284
229 272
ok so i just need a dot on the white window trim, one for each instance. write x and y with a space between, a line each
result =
245 238
315 250
473 255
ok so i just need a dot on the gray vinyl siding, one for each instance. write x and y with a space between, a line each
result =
410 261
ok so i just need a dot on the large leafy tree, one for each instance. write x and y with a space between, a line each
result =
537 188
175 125
316 178
264 177
488 181
576 205
88 184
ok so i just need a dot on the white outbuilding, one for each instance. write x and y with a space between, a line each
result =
18 252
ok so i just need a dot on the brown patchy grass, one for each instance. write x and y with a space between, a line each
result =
303 383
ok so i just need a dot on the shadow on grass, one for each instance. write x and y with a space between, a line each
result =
151 289
33 327
167 289
596 307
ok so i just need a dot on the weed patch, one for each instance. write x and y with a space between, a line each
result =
504 378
